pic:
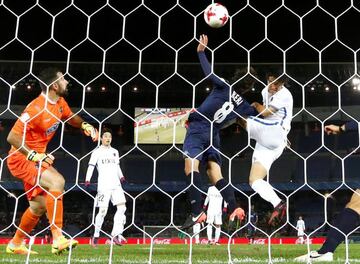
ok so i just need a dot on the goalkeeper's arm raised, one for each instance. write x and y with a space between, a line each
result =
88 129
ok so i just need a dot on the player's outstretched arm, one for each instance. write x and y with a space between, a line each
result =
88 129
203 42
348 126
263 110
334 129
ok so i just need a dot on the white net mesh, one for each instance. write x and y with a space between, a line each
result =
134 62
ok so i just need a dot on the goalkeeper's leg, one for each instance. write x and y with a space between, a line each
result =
28 221
54 182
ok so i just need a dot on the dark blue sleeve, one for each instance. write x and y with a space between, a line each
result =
206 67
248 110
351 125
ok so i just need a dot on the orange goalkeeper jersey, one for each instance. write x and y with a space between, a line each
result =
41 121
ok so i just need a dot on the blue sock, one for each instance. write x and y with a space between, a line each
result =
194 194
346 221
227 194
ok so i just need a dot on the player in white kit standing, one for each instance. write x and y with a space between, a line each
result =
214 204
300 227
106 159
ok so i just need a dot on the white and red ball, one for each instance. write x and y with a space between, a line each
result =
216 15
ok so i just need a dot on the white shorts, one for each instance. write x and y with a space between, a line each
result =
215 219
300 233
116 196
270 140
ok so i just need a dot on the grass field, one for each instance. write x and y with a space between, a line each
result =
177 254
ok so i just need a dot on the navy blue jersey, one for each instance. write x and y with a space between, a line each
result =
351 126
202 141
222 104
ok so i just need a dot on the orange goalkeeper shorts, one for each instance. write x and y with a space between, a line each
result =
27 171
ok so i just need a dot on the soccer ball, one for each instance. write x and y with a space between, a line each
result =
216 15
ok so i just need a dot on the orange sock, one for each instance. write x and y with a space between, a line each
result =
57 225
27 223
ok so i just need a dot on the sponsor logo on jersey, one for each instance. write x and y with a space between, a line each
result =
52 129
107 161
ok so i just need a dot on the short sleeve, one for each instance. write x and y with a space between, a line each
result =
27 117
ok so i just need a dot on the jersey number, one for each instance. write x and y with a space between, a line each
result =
222 112
101 198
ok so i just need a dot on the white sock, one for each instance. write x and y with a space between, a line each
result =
99 220
217 233
119 221
266 191
196 230
209 232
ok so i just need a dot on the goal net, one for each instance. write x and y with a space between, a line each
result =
132 67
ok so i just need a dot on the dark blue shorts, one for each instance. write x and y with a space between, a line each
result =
197 139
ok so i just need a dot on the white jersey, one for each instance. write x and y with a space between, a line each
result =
300 225
106 160
214 201
282 101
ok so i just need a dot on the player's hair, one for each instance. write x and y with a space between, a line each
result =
48 76
248 79
105 130
277 73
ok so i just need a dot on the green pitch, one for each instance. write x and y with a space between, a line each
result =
163 254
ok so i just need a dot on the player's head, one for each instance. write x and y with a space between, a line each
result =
300 217
243 80
106 136
276 79
54 79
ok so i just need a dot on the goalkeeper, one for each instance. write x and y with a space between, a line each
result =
29 162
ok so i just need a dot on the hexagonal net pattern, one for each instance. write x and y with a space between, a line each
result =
132 67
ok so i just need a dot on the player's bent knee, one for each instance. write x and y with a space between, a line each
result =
59 182
38 210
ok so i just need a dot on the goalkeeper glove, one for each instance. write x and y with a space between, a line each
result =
89 130
46 159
